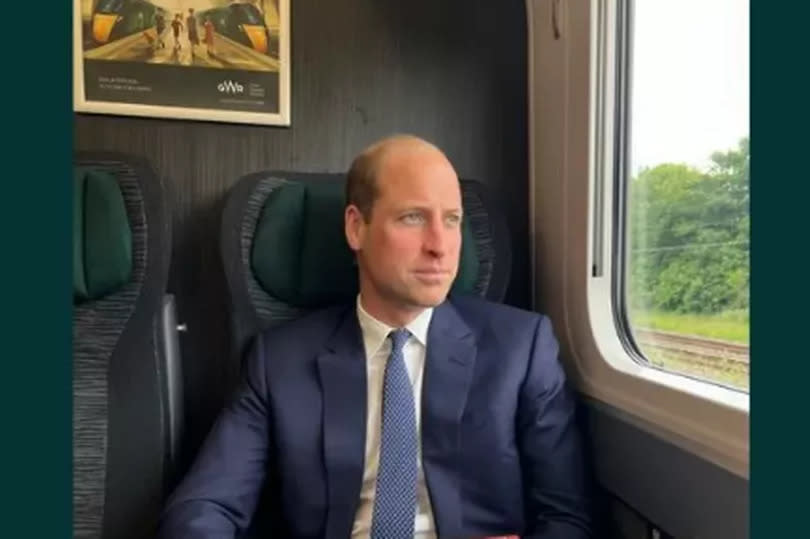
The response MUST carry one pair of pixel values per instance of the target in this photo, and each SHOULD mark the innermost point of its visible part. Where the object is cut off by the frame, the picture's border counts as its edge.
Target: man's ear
(355, 227)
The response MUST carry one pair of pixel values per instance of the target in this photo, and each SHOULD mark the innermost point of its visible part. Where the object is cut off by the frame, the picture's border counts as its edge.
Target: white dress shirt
(378, 348)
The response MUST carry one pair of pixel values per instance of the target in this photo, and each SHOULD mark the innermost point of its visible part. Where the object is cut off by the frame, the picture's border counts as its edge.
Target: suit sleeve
(552, 458)
(218, 496)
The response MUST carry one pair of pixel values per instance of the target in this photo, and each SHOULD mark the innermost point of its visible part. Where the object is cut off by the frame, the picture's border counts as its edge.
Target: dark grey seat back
(125, 390)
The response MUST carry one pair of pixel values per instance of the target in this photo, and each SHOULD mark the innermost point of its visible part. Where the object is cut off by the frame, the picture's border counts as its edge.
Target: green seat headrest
(102, 240)
(300, 255)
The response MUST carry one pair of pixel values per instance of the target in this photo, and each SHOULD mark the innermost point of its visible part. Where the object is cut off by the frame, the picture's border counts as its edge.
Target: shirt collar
(376, 332)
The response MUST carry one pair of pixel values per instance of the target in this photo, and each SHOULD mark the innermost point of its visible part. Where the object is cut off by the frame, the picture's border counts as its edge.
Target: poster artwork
(215, 60)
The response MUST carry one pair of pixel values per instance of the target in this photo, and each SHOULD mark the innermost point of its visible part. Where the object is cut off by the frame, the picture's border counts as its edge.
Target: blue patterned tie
(395, 498)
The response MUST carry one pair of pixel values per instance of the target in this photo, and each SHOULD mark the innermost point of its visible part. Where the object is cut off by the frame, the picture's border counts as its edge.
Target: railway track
(697, 349)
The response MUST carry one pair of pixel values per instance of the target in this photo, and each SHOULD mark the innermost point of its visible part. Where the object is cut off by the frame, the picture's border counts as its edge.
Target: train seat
(127, 393)
(285, 253)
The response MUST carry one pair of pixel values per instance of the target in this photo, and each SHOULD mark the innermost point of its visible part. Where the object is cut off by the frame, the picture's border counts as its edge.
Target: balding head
(403, 222)
(362, 182)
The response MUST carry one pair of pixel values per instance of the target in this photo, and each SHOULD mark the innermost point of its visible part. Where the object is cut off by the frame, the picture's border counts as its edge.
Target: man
(405, 414)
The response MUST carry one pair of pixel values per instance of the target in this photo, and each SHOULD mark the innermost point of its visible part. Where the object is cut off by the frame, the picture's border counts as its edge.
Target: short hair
(361, 180)
(361, 183)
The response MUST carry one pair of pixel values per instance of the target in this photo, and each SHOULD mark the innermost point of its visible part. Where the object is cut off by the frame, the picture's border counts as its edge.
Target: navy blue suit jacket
(500, 449)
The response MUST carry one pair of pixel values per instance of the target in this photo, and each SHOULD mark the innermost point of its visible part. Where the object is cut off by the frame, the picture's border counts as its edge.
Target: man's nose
(436, 236)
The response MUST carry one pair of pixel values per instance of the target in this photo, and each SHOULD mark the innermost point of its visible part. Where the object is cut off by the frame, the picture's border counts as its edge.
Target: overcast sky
(690, 79)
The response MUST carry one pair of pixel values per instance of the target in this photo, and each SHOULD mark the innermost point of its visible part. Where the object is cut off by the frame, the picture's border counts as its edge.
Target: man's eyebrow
(419, 207)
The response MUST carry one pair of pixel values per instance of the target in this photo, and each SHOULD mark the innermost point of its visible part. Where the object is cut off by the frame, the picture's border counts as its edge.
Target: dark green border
(780, 355)
(36, 264)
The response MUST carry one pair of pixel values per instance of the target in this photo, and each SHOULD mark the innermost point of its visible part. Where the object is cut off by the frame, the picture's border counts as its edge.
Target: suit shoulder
(311, 328)
(507, 331)
(476, 309)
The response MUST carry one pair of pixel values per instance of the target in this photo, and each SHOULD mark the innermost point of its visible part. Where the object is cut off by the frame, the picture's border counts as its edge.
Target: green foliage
(689, 236)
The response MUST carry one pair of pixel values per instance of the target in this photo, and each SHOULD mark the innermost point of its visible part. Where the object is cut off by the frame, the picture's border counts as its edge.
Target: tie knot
(398, 339)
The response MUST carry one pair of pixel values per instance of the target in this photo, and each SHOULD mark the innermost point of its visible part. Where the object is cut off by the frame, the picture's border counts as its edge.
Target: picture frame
(206, 60)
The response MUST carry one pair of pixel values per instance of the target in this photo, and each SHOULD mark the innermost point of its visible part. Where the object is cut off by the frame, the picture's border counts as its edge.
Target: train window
(638, 125)
(683, 242)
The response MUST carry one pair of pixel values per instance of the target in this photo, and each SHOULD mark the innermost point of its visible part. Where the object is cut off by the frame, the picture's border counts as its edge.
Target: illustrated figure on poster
(177, 25)
(209, 36)
(191, 25)
(160, 28)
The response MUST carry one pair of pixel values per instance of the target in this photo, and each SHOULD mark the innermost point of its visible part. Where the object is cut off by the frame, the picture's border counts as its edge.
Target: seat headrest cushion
(300, 255)
(102, 239)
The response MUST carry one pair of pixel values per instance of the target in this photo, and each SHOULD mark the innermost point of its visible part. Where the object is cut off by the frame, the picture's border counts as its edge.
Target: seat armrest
(171, 376)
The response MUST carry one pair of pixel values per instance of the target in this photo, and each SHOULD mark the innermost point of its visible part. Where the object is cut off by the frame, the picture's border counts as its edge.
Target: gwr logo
(230, 87)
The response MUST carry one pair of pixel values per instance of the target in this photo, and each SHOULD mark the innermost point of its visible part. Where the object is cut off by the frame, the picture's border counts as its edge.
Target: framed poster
(213, 60)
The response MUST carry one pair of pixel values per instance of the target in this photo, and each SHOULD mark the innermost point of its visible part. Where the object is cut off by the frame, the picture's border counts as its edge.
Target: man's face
(408, 251)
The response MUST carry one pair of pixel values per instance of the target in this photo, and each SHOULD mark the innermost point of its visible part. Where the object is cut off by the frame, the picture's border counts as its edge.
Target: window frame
(573, 122)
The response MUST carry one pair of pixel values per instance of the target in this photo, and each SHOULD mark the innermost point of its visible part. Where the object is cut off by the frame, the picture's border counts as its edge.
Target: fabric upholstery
(102, 239)
(119, 431)
(97, 326)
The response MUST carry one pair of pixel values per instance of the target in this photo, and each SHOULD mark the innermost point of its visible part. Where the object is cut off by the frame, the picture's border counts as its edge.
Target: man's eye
(412, 218)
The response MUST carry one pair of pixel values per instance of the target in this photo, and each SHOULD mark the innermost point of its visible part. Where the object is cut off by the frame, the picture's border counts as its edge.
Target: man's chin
(427, 300)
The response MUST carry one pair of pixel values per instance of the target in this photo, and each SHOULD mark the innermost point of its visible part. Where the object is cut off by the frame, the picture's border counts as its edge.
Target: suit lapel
(449, 366)
(342, 371)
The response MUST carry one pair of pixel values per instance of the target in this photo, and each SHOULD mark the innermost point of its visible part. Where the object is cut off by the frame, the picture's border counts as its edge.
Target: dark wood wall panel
(452, 71)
